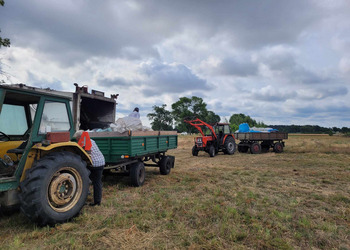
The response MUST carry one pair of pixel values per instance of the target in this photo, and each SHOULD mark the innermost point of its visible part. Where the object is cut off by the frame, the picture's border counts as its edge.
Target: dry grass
(297, 199)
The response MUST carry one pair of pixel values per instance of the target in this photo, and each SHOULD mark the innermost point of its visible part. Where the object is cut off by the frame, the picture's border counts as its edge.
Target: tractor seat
(19, 150)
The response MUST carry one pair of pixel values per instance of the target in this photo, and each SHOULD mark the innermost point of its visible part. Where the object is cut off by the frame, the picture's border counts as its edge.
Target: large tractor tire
(229, 146)
(55, 188)
(137, 174)
(166, 164)
(195, 150)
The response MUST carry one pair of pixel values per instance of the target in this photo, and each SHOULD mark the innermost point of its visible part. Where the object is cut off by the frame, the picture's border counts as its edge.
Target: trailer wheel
(278, 147)
(137, 174)
(195, 151)
(55, 188)
(211, 151)
(165, 165)
(230, 146)
(255, 148)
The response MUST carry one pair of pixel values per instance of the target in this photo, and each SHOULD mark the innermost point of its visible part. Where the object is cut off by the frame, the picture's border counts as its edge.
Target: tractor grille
(199, 142)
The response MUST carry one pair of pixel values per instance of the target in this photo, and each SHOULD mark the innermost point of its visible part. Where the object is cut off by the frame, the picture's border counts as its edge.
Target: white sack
(126, 124)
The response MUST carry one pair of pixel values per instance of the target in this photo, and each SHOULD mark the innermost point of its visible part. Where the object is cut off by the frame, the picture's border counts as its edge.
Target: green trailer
(128, 153)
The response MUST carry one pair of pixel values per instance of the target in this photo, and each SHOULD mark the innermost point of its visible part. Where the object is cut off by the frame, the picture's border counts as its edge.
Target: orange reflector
(126, 156)
(143, 144)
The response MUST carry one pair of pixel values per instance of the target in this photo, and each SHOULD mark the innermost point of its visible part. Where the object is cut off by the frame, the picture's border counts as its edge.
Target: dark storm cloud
(170, 78)
(72, 31)
(249, 23)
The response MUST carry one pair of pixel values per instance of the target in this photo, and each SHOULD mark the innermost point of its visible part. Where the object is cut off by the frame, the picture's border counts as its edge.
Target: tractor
(214, 138)
(42, 171)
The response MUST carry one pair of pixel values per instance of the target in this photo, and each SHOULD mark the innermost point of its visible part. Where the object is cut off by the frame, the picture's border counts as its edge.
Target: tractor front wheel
(195, 150)
(55, 188)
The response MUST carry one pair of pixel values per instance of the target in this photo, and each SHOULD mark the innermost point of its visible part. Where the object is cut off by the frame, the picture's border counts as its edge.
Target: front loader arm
(197, 123)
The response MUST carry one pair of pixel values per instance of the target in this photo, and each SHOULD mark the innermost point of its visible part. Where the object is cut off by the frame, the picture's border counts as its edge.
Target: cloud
(34, 80)
(170, 78)
(322, 93)
(115, 82)
(232, 66)
(262, 58)
(272, 94)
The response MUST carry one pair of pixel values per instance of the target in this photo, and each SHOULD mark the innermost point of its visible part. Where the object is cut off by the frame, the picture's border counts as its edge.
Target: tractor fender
(225, 137)
(38, 151)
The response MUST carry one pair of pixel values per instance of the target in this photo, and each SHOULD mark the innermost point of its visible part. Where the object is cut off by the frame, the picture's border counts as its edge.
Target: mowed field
(295, 200)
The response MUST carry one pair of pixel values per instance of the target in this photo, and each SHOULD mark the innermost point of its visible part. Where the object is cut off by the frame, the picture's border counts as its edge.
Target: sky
(281, 62)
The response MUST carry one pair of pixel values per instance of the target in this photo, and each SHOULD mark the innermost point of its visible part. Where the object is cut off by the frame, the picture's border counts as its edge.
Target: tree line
(195, 107)
(184, 108)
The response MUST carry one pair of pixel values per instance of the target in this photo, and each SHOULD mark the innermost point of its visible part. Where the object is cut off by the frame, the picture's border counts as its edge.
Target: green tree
(188, 108)
(212, 118)
(161, 118)
(237, 119)
(4, 41)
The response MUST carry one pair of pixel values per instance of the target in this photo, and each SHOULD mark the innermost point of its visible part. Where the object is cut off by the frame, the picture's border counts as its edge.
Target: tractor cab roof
(20, 93)
(221, 124)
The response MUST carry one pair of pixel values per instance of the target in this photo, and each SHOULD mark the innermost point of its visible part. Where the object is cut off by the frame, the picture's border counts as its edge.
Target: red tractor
(214, 138)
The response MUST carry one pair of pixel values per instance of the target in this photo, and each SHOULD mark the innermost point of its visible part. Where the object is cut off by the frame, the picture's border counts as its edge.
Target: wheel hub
(62, 189)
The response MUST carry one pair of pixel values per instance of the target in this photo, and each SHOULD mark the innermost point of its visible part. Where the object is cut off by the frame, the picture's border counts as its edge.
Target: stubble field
(295, 200)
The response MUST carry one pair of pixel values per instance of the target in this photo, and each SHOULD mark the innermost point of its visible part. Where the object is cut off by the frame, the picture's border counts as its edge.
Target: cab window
(13, 120)
(55, 118)
(226, 129)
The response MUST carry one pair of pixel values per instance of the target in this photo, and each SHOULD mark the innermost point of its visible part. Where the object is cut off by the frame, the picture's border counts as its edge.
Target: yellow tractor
(41, 170)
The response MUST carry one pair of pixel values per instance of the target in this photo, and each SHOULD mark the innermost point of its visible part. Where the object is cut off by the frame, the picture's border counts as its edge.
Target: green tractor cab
(48, 180)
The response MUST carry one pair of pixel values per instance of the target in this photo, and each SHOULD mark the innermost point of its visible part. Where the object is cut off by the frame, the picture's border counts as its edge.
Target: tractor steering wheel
(3, 135)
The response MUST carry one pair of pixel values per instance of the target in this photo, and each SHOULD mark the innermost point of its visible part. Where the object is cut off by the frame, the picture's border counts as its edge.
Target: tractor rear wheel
(255, 148)
(211, 151)
(278, 147)
(230, 146)
(55, 188)
(195, 151)
(137, 174)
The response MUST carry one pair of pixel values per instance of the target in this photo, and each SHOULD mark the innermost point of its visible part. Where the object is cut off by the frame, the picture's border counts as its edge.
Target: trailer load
(258, 140)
